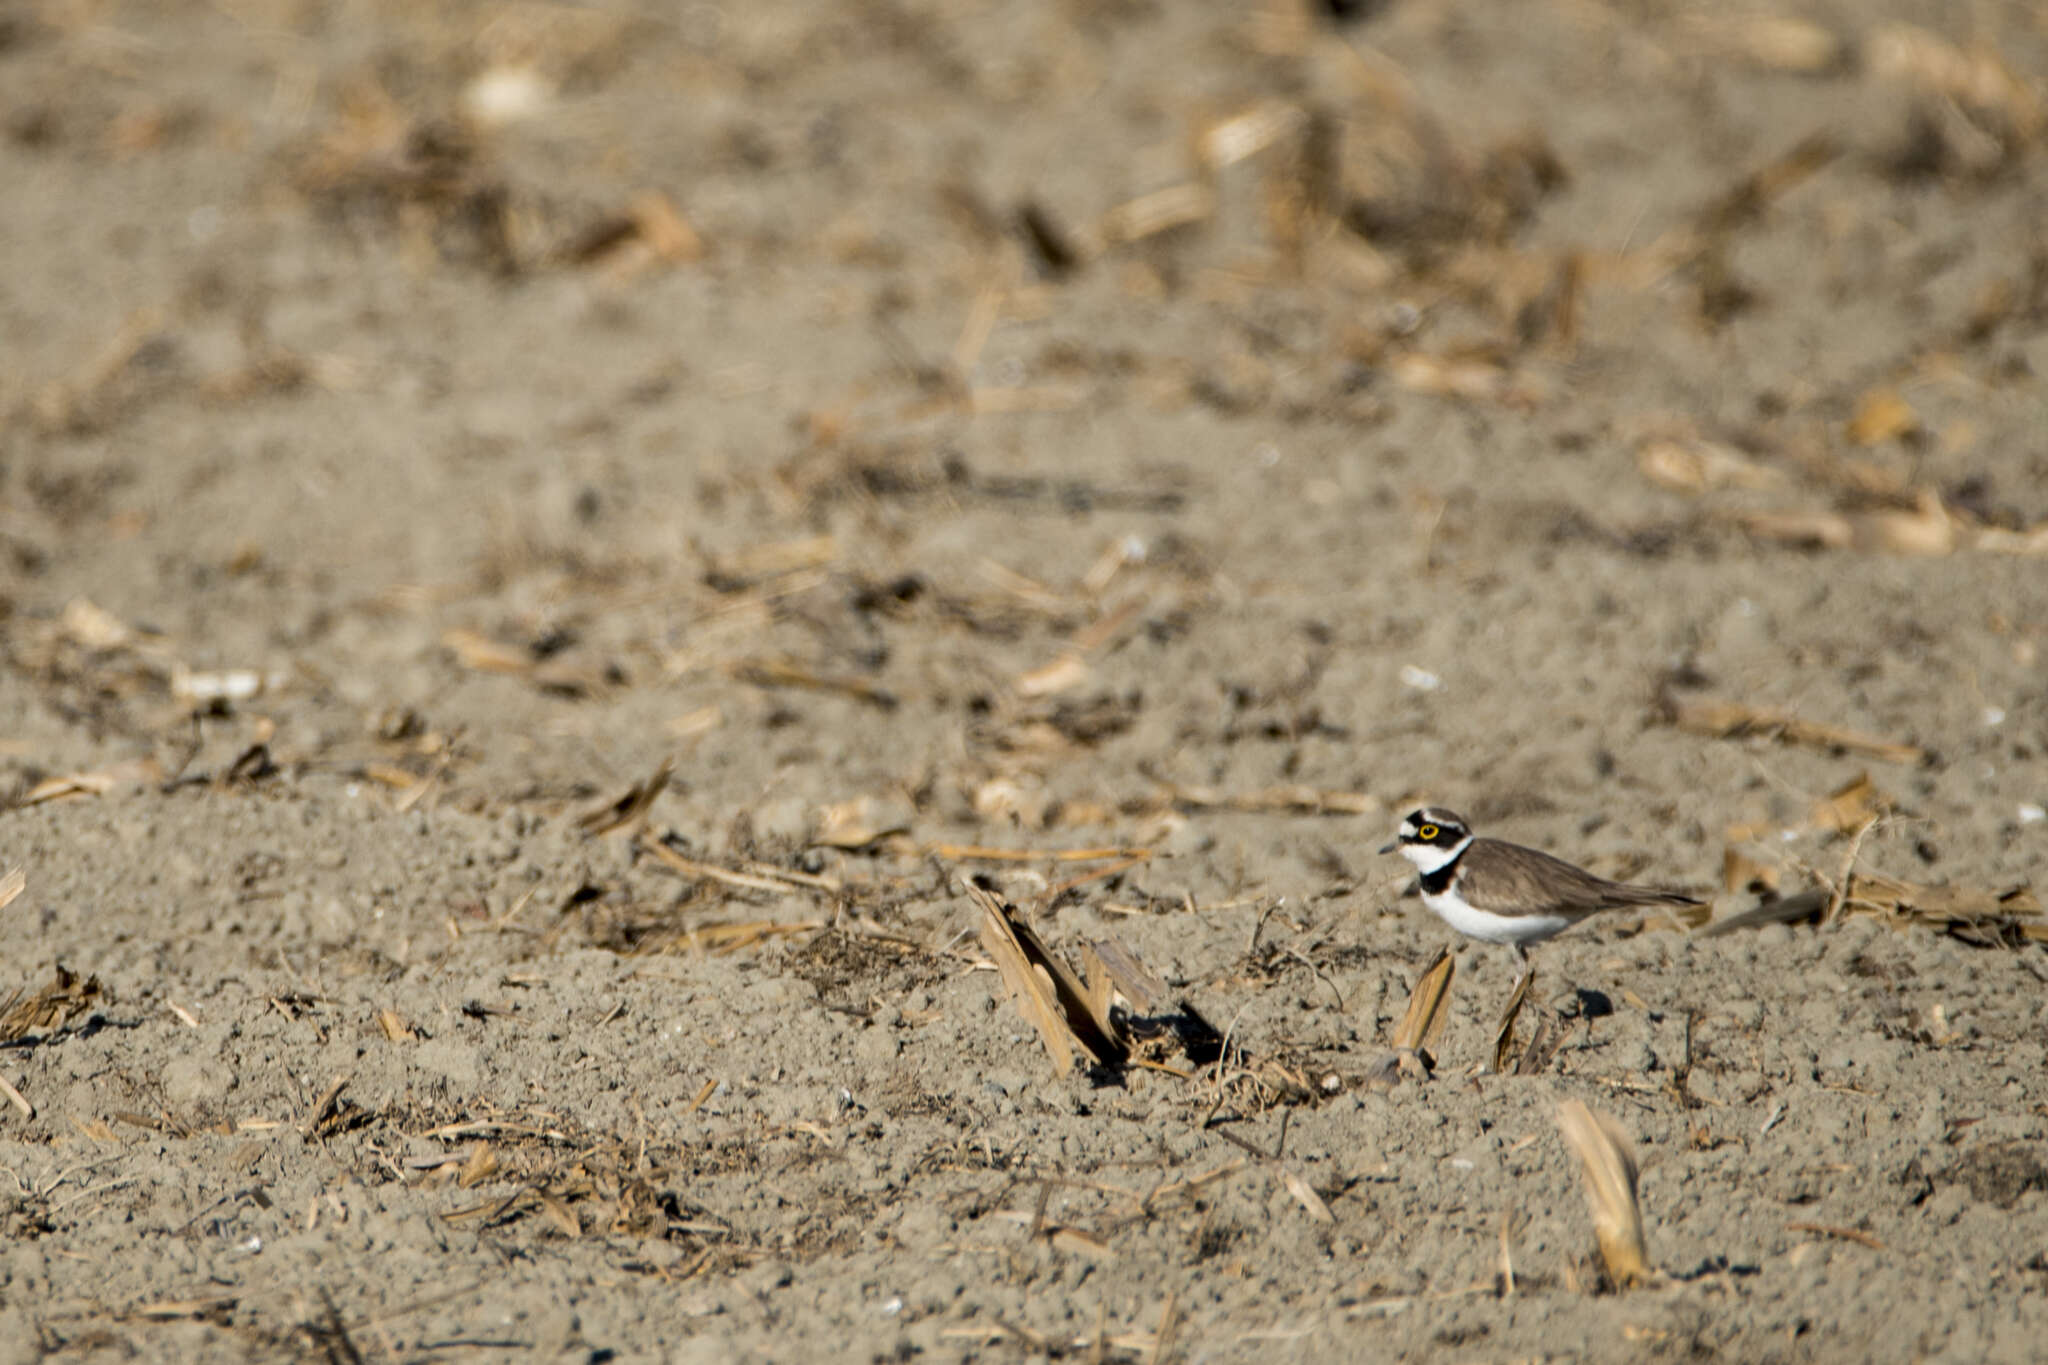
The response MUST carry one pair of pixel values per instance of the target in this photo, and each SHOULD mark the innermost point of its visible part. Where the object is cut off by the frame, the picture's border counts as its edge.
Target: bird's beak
(1391, 847)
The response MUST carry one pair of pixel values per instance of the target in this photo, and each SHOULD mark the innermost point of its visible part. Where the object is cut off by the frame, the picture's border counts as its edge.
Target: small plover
(1498, 892)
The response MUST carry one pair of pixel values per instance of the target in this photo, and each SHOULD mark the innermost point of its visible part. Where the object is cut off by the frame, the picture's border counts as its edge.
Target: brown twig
(1100, 874)
(1846, 1234)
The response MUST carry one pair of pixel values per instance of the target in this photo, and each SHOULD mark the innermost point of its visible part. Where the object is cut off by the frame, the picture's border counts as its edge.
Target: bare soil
(1161, 443)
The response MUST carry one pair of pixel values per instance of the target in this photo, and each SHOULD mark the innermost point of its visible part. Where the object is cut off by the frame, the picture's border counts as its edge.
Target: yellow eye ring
(1427, 832)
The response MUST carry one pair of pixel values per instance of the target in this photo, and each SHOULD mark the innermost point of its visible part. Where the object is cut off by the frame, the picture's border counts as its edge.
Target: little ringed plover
(1498, 892)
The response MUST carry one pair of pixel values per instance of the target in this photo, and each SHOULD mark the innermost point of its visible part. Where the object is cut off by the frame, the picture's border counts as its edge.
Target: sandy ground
(1191, 431)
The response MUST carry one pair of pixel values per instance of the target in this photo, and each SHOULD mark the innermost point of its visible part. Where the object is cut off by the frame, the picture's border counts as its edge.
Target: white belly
(1490, 928)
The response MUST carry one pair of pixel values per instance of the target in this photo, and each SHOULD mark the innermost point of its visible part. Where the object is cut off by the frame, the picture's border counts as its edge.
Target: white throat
(1429, 858)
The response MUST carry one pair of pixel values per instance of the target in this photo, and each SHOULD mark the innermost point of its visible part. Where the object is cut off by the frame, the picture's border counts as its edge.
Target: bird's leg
(1504, 1036)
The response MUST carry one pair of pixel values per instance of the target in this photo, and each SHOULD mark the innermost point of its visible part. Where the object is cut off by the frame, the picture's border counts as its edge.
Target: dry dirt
(933, 427)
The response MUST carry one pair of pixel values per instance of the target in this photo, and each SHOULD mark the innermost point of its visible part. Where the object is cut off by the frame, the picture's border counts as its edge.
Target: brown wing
(1512, 880)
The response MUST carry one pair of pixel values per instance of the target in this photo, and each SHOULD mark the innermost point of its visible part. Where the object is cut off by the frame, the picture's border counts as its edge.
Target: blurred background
(1398, 388)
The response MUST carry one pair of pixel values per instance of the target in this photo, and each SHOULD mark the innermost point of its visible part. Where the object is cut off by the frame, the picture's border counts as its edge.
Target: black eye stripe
(1442, 831)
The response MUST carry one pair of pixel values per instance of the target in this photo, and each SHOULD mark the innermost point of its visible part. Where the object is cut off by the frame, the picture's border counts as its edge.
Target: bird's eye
(1426, 833)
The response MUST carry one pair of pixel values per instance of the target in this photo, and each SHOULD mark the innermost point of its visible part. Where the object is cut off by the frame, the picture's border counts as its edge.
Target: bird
(1498, 892)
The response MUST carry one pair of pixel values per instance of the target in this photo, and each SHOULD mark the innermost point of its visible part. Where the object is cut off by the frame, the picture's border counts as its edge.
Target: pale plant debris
(1420, 1032)
(773, 672)
(1071, 668)
(559, 674)
(1882, 415)
(1841, 812)
(93, 626)
(1923, 526)
(1045, 989)
(1169, 1326)
(1060, 1236)
(1470, 375)
(162, 1122)
(1504, 1032)
(1544, 1041)
(1608, 1164)
(1306, 1196)
(1839, 889)
(1291, 799)
(1063, 674)
(560, 1215)
(1751, 196)
(332, 1114)
(1978, 80)
(390, 775)
(756, 877)
(1976, 913)
(1856, 1235)
(628, 811)
(1227, 141)
(433, 182)
(1802, 530)
(1110, 1015)
(1873, 506)
(700, 721)
(12, 885)
(748, 569)
(65, 999)
(1185, 1189)
(108, 384)
(217, 1309)
(116, 778)
(1081, 879)
(578, 1182)
(982, 316)
(1740, 720)
(969, 853)
(1701, 466)
(1740, 872)
(1775, 42)
(1979, 915)
(1851, 806)
(652, 233)
(502, 1129)
(481, 654)
(862, 822)
(634, 931)
(1116, 966)
(1077, 1242)
(996, 1331)
(721, 939)
(1162, 210)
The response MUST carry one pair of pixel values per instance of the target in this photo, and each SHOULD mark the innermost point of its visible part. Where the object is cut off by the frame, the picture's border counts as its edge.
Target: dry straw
(1609, 1165)
(1422, 1026)
(1070, 1017)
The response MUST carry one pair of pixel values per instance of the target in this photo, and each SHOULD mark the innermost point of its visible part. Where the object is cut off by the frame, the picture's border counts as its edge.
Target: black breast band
(1437, 882)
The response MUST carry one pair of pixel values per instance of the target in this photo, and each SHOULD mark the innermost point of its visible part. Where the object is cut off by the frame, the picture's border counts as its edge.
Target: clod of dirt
(2000, 1173)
